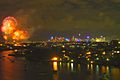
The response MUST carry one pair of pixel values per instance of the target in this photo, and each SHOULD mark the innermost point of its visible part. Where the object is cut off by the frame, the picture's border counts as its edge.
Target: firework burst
(12, 31)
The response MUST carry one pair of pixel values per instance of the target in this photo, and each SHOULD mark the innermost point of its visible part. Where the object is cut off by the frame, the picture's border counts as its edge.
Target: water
(12, 68)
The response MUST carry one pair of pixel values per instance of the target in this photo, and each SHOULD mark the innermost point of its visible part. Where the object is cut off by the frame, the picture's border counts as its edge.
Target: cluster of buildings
(77, 39)
(91, 52)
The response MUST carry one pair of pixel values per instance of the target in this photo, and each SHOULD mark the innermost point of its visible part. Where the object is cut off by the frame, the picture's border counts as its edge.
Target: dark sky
(64, 17)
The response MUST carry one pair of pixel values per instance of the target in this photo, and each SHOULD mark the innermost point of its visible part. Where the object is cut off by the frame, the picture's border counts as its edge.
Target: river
(12, 68)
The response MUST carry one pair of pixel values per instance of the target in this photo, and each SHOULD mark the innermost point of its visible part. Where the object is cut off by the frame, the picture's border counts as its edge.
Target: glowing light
(119, 42)
(103, 53)
(63, 51)
(51, 37)
(91, 62)
(79, 34)
(88, 66)
(54, 59)
(98, 40)
(88, 53)
(63, 46)
(67, 39)
(17, 44)
(15, 50)
(5, 37)
(112, 53)
(77, 40)
(72, 66)
(88, 59)
(91, 67)
(24, 45)
(1, 44)
(55, 68)
(72, 60)
(118, 51)
(115, 51)
(87, 37)
(60, 59)
(96, 54)
(97, 58)
(107, 59)
(97, 68)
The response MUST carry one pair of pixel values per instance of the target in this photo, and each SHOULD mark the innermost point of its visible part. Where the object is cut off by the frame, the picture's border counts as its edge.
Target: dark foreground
(18, 68)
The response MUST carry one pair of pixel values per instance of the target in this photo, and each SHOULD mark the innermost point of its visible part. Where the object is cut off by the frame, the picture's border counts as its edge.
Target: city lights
(88, 53)
(103, 53)
(107, 59)
(77, 39)
(59, 40)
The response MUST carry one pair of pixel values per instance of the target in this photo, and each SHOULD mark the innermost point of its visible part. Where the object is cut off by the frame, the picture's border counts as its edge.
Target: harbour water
(18, 68)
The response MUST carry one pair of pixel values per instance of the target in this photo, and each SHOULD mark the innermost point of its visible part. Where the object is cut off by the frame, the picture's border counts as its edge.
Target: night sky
(43, 18)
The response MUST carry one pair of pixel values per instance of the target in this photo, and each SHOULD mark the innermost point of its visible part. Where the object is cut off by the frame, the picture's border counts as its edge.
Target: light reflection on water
(20, 69)
(9, 69)
(72, 67)
(85, 72)
(55, 68)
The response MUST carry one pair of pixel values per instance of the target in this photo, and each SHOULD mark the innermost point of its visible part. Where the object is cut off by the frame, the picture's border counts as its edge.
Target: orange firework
(20, 35)
(9, 25)
(11, 31)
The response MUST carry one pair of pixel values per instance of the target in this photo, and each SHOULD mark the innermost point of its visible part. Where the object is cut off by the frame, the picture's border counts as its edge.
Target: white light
(72, 66)
(103, 53)
(91, 62)
(107, 59)
(63, 46)
(118, 51)
(97, 58)
(72, 60)
(63, 51)
(119, 42)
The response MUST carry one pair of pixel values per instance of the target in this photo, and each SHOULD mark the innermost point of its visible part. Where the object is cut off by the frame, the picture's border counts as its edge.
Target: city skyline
(67, 17)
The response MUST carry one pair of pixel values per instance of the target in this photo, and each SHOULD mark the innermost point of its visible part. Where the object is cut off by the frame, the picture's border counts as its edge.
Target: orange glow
(55, 68)
(11, 31)
(9, 24)
(88, 53)
(20, 35)
(54, 59)
(5, 37)
(17, 44)
(8, 67)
